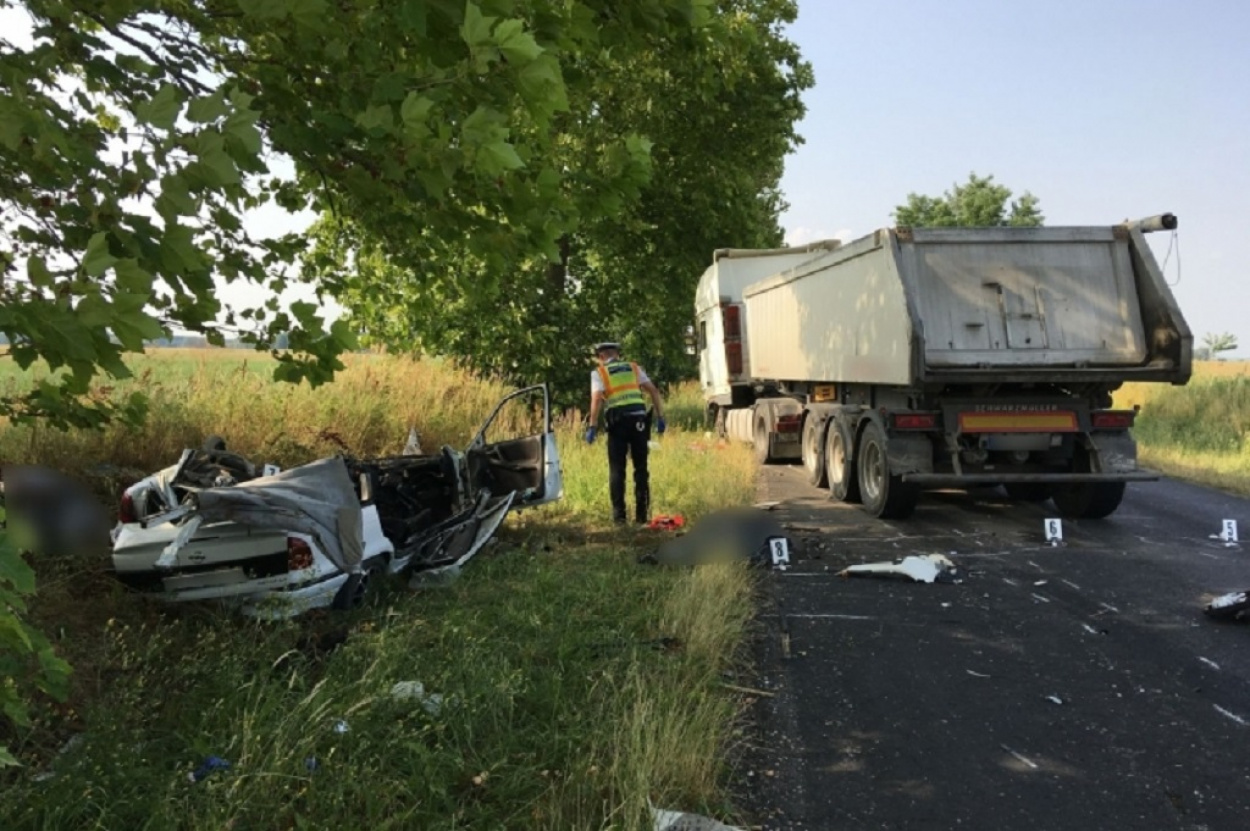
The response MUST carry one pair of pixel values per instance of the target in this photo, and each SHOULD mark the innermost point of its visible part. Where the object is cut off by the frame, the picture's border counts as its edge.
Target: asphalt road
(1070, 687)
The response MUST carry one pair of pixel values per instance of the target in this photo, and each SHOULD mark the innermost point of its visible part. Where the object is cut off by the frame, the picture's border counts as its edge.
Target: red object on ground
(667, 523)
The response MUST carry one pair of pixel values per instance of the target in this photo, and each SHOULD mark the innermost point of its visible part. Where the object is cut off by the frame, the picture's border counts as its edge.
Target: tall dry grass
(195, 393)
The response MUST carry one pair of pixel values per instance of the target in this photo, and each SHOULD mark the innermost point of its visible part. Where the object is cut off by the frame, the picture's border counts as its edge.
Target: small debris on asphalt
(1054, 699)
(1232, 606)
(1020, 757)
(1232, 716)
(976, 674)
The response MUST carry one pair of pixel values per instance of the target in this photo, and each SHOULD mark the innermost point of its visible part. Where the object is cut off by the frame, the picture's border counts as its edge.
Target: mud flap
(909, 454)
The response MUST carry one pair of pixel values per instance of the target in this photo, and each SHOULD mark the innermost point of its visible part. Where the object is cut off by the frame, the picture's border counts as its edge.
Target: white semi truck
(919, 358)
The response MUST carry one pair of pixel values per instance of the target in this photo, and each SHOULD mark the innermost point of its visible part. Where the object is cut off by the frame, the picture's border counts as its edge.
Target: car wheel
(884, 494)
(359, 587)
(814, 451)
(839, 470)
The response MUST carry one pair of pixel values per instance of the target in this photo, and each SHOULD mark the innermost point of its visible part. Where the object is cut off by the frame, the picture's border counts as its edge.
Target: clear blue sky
(1105, 110)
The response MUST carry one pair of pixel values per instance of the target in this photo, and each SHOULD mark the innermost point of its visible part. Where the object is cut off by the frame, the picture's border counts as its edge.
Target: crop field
(1198, 431)
(576, 684)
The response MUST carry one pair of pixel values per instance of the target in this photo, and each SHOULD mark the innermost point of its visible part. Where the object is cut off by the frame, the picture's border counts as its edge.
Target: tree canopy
(670, 146)
(978, 203)
(500, 179)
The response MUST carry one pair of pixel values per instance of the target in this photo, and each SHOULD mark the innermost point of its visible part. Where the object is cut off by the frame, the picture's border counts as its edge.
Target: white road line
(1209, 662)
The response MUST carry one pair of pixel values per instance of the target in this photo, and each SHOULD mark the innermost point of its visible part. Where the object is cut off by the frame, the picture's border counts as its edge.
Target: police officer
(617, 386)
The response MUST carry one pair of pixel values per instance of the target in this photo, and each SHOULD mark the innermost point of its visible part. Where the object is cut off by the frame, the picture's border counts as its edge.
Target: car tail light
(299, 555)
(915, 421)
(126, 511)
(733, 358)
(790, 423)
(732, 315)
(1113, 419)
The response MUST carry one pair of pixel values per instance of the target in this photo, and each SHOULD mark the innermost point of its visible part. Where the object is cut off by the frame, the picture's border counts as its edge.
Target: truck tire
(1087, 500)
(814, 451)
(760, 441)
(884, 495)
(1027, 491)
(839, 470)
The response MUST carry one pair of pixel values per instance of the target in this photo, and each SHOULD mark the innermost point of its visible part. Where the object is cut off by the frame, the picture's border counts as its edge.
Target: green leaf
(97, 258)
(415, 109)
(133, 278)
(179, 251)
(161, 111)
(37, 271)
(6, 758)
(264, 9)
(376, 118)
(207, 108)
(245, 132)
(517, 45)
(476, 28)
(13, 568)
(498, 156)
(308, 13)
(175, 199)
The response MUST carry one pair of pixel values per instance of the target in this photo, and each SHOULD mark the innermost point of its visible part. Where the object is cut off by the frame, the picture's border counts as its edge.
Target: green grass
(578, 683)
(1198, 431)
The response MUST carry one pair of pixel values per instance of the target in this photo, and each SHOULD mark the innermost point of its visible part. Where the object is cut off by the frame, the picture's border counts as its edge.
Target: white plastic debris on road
(678, 821)
(922, 568)
(1233, 605)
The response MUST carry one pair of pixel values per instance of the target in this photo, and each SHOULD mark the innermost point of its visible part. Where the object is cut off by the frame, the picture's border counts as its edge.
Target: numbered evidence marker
(1054, 531)
(1229, 532)
(779, 548)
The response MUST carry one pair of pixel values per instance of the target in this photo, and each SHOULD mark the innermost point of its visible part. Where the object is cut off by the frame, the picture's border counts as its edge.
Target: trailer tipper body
(918, 358)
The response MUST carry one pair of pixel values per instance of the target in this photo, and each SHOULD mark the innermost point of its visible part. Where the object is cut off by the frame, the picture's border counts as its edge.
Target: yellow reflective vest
(620, 385)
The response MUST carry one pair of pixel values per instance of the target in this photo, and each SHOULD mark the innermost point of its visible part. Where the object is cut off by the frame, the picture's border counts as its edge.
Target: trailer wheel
(1087, 500)
(761, 441)
(814, 452)
(839, 470)
(885, 495)
(1027, 491)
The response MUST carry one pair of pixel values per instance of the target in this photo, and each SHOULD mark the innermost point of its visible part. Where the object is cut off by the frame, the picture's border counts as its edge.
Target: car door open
(515, 451)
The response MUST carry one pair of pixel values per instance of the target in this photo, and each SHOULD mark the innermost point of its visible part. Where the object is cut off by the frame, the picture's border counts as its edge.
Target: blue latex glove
(660, 425)
(591, 432)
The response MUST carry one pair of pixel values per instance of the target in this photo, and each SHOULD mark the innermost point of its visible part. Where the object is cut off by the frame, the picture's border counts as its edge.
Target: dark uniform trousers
(629, 430)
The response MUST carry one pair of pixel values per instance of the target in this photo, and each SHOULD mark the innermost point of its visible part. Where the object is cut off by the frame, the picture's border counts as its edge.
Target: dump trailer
(921, 358)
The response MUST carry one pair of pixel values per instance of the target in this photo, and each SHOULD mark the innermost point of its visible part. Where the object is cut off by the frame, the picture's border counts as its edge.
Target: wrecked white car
(317, 535)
